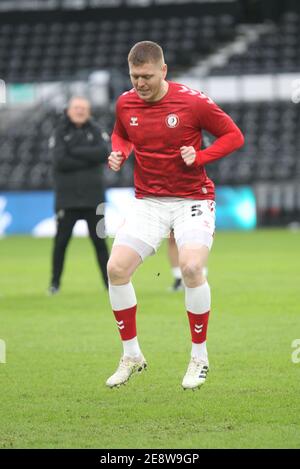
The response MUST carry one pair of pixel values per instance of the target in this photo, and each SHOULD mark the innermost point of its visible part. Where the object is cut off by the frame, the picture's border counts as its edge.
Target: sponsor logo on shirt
(172, 120)
(133, 121)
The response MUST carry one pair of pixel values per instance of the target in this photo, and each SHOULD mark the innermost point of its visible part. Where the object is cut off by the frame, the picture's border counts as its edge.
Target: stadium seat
(274, 50)
(34, 49)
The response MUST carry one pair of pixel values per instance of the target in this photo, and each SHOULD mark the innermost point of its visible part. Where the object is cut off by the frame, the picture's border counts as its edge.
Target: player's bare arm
(115, 160)
(188, 155)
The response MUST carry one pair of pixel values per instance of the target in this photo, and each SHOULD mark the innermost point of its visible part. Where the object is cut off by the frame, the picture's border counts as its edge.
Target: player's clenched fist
(188, 155)
(115, 160)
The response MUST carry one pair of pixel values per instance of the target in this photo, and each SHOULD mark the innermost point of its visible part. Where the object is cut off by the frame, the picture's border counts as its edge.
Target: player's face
(148, 80)
(79, 111)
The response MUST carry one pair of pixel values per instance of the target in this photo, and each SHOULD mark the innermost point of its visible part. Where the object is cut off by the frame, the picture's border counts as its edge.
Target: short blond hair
(145, 52)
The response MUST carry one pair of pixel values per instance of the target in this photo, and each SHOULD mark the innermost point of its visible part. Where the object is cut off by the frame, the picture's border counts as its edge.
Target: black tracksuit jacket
(78, 153)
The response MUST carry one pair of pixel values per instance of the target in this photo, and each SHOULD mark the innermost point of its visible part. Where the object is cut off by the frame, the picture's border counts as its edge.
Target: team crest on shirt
(172, 120)
(134, 121)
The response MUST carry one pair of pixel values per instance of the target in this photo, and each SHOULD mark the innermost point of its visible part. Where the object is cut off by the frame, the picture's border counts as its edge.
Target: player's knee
(116, 271)
(191, 270)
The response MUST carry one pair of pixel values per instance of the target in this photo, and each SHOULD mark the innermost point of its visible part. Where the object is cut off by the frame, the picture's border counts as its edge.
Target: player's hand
(188, 155)
(115, 160)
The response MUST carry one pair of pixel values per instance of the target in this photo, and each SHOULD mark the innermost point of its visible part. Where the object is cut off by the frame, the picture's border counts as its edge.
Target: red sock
(126, 322)
(198, 326)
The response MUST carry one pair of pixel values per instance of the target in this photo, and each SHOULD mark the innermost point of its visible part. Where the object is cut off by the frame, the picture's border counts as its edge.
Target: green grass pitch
(60, 351)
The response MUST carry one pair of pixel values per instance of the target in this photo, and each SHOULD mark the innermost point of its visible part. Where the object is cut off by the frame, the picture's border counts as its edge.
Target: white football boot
(196, 374)
(127, 367)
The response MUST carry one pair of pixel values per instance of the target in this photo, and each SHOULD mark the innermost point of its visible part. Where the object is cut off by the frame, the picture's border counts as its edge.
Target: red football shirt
(156, 131)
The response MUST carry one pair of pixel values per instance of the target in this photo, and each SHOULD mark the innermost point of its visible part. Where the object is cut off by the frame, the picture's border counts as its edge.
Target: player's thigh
(145, 226)
(172, 239)
(194, 230)
(123, 261)
(195, 223)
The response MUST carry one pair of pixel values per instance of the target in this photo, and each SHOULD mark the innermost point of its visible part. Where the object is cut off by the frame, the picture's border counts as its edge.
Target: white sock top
(197, 299)
(131, 348)
(122, 296)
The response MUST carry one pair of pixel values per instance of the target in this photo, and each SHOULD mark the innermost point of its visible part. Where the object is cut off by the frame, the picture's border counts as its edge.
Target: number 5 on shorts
(196, 212)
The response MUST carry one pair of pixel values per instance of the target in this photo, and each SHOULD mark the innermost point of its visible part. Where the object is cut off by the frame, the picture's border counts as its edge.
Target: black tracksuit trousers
(66, 220)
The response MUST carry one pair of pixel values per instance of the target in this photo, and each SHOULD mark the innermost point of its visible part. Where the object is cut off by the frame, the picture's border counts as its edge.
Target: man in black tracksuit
(78, 152)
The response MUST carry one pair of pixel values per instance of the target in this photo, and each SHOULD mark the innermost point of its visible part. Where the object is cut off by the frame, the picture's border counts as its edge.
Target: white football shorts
(151, 219)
